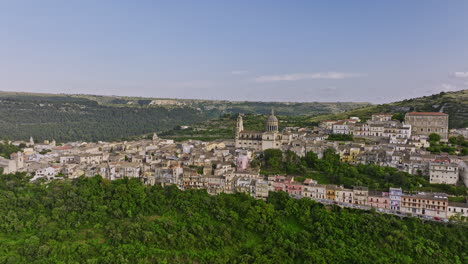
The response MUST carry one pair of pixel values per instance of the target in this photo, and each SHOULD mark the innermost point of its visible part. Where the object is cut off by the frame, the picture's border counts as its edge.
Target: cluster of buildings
(431, 205)
(420, 124)
(215, 166)
(401, 145)
(382, 141)
(223, 166)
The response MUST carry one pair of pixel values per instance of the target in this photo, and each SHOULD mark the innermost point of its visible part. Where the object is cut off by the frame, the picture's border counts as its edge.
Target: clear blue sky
(377, 51)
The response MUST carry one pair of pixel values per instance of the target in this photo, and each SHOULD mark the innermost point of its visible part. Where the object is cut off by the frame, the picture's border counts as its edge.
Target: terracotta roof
(427, 113)
(384, 114)
(307, 181)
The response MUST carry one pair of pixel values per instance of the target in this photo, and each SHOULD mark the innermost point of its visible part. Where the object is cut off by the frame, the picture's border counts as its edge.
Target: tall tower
(155, 137)
(272, 122)
(240, 125)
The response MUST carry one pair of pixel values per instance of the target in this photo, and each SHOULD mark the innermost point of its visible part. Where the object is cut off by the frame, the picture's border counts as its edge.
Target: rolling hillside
(92, 118)
(453, 103)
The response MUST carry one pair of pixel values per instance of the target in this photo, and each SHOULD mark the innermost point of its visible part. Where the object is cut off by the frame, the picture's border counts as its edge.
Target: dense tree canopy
(70, 119)
(433, 137)
(455, 145)
(6, 149)
(91, 220)
(341, 137)
(399, 116)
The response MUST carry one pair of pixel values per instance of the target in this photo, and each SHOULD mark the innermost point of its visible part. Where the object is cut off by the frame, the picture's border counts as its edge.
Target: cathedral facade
(271, 138)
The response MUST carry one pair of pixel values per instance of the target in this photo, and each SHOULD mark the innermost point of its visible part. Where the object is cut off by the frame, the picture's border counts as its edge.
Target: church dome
(272, 118)
(272, 123)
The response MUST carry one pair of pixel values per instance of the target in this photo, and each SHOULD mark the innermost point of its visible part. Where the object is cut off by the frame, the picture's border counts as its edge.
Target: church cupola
(272, 123)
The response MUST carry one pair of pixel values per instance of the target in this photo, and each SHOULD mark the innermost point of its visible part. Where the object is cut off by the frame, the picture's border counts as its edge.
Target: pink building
(294, 188)
(277, 183)
(378, 199)
(242, 162)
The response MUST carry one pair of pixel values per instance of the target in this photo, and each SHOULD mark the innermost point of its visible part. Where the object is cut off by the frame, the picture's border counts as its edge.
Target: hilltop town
(224, 166)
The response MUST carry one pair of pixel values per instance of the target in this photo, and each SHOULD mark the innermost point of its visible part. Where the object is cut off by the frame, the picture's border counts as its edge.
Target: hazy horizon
(268, 51)
(201, 99)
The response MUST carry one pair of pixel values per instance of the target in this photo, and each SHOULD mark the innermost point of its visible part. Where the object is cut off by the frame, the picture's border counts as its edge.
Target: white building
(316, 191)
(343, 127)
(49, 173)
(260, 189)
(8, 165)
(443, 173)
(457, 209)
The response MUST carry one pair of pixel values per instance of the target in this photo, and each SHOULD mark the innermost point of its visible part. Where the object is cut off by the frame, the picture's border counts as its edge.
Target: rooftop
(456, 204)
(427, 113)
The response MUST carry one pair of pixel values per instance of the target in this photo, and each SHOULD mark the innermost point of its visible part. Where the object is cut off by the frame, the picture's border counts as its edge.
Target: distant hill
(224, 106)
(453, 103)
(91, 117)
(224, 126)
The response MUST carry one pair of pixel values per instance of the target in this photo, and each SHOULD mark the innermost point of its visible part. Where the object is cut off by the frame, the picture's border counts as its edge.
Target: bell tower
(240, 125)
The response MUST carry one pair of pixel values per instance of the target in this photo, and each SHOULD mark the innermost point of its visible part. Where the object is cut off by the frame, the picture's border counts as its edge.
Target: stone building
(429, 204)
(426, 123)
(443, 173)
(271, 138)
(457, 209)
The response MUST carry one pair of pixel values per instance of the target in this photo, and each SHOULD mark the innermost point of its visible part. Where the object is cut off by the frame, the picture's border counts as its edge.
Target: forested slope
(65, 118)
(91, 118)
(91, 220)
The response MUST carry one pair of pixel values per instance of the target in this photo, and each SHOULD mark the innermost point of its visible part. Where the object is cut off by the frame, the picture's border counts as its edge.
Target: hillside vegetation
(330, 170)
(65, 118)
(453, 103)
(93, 118)
(92, 220)
(224, 126)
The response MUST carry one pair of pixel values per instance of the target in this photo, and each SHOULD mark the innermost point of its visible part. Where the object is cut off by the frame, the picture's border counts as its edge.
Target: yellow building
(349, 154)
(331, 192)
